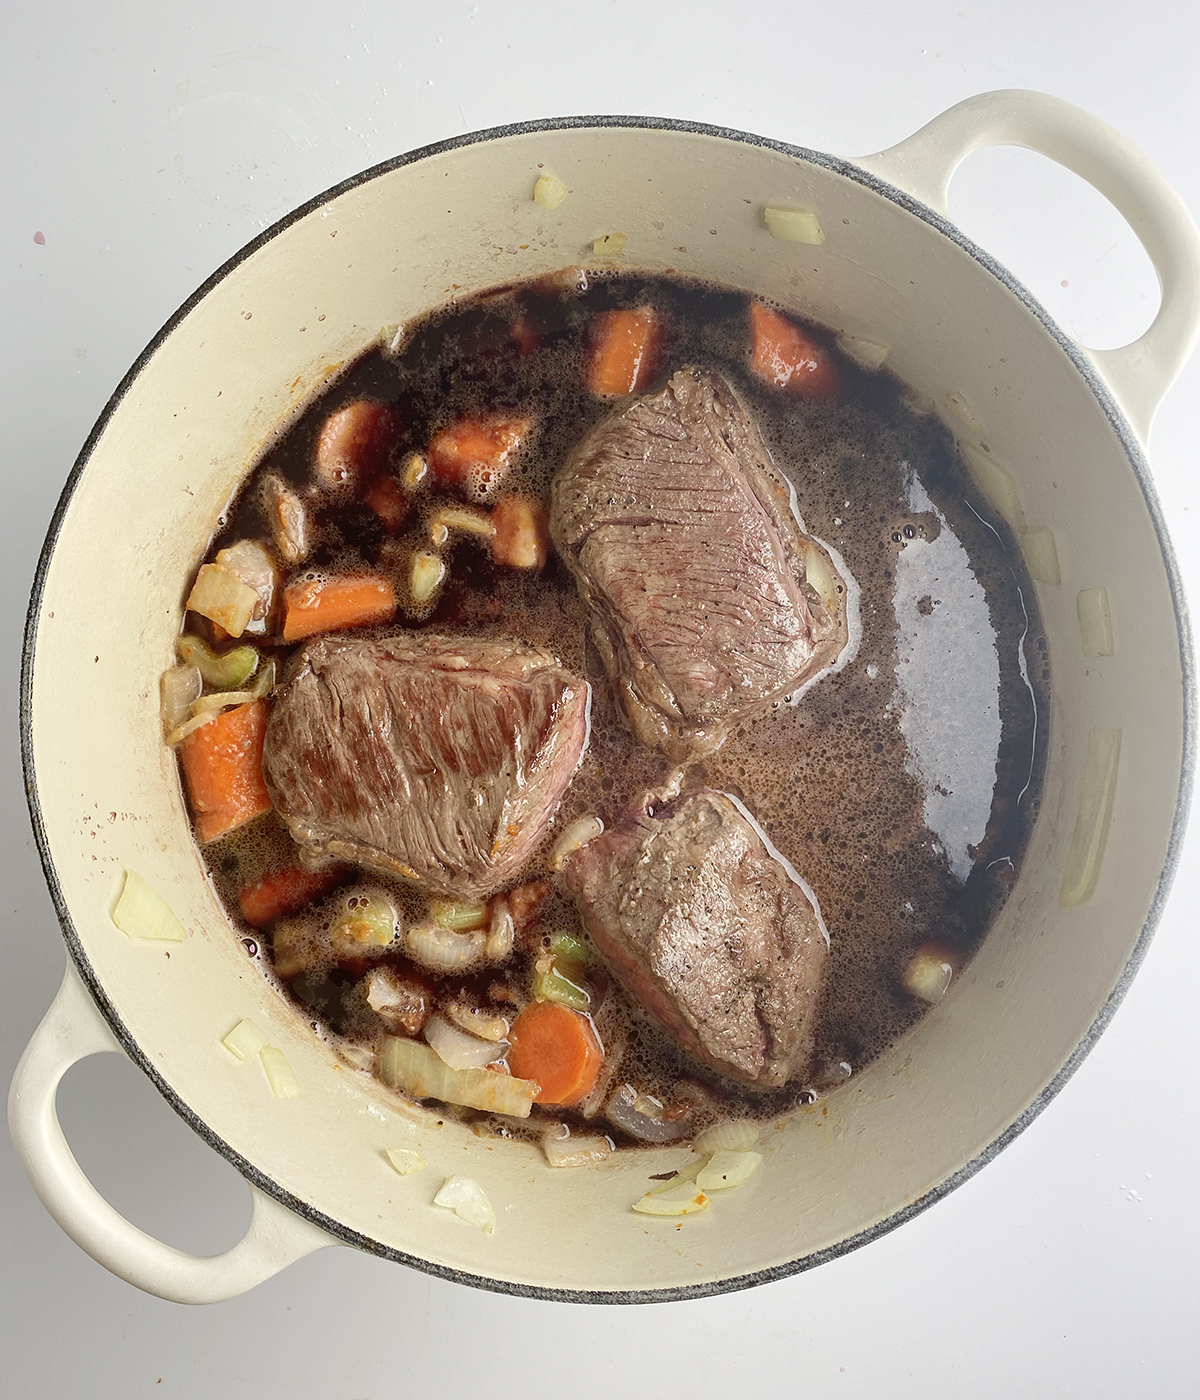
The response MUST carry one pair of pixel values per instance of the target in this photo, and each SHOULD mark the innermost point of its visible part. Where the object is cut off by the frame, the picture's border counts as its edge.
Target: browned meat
(707, 601)
(709, 931)
(441, 759)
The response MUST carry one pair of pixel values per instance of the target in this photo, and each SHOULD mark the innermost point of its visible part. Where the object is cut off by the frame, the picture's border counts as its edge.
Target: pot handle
(1140, 373)
(72, 1030)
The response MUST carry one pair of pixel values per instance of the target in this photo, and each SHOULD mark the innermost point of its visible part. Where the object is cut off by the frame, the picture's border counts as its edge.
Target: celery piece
(459, 917)
(570, 948)
(368, 921)
(552, 985)
(225, 670)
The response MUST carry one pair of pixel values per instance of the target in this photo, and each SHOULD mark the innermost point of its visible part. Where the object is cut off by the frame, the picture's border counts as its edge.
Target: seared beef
(678, 530)
(441, 759)
(709, 931)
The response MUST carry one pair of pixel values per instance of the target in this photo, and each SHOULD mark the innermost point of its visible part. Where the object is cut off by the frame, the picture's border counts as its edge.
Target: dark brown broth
(944, 705)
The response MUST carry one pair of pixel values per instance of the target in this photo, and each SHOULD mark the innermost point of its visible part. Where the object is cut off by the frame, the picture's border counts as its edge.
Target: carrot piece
(623, 350)
(388, 501)
(520, 533)
(784, 354)
(222, 764)
(559, 1049)
(331, 605)
(284, 892)
(354, 443)
(474, 454)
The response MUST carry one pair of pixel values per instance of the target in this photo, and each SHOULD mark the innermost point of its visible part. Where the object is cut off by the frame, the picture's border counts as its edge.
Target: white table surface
(145, 143)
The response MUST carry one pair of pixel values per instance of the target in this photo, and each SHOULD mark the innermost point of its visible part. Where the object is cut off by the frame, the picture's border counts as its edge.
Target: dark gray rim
(1141, 470)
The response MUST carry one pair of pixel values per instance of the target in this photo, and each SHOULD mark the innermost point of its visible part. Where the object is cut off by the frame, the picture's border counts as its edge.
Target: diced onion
(427, 573)
(958, 407)
(637, 1115)
(415, 1069)
(574, 836)
(680, 1197)
(485, 1024)
(1041, 554)
(223, 598)
(189, 726)
(927, 974)
(734, 1135)
(795, 225)
(549, 191)
(466, 518)
(1095, 622)
(867, 354)
(448, 914)
(460, 1049)
(280, 1075)
(1094, 818)
(180, 686)
(725, 1168)
(610, 245)
(413, 470)
(221, 700)
(250, 562)
(819, 575)
(405, 1160)
(443, 949)
(501, 933)
(245, 1040)
(467, 1200)
(288, 520)
(996, 482)
(574, 1150)
(143, 914)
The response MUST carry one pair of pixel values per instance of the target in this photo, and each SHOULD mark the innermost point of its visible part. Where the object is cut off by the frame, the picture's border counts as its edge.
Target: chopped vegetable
(141, 913)
(288, 520)
(466, 518)
(245, 1040)
(223, 598)
(475, 1019)
(466, 1199)
(413, 470)
(189, 726)
(449, 914)
(405, 1160)
(549, 191)
(354, 444)
(179, 687)
(444, 950)
(996, 482)
(520, 533)
(819, 575)
(566, 1149)
(417, 1070)
(221, 700)
(610, 245)
(460, 1049)
(367, 922)
(559, 1049)
(727, 1168)
(428, 571)
(388, 502)
(734, 1135)
(623, 350)
(552, 984)
(283, 892)
(795, 225)
(332, 605)
(250, 562)
(222, 765)
(642, 1117)
(402, 1001)
(280, 1075)
(475, 454)
(574, 835)
(526, 899)
(867, 354)
(679, 1197)
(570, 948)
(786, 355)
(225, 670)
(929, 971)
(1095, 621)
(1041, 554)
(501, 932)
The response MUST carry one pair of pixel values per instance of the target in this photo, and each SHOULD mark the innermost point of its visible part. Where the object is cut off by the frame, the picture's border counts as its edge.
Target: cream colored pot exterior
(255, 346)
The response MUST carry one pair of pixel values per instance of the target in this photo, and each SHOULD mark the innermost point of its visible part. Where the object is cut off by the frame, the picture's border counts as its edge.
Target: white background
(146, 142)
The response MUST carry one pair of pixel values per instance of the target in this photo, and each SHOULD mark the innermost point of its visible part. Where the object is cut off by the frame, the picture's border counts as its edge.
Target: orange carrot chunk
(624, 348)
(355, 442)
(285, 891)
(559, 1049)
(332, 605)
(475, 454)
(784, 354)
(389, 502)
(222, 765)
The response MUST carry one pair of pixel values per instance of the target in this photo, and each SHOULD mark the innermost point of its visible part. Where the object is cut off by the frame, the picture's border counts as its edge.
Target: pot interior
(240, 360)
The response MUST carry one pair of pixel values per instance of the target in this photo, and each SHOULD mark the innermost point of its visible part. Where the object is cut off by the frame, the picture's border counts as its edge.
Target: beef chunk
(707, 600)
(709, 931)
(441, 759)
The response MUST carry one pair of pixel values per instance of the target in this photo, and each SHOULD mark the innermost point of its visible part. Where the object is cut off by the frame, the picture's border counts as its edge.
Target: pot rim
(1136, 456)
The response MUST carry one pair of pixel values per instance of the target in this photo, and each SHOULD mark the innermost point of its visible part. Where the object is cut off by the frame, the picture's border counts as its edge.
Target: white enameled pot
(1056, 435)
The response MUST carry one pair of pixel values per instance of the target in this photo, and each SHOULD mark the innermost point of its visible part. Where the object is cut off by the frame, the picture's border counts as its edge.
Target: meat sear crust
(709, 931)
(678, 531)
(440, 759)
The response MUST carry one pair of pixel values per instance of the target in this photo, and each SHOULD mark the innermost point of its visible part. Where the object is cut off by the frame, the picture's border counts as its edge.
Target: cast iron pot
(1055, 434)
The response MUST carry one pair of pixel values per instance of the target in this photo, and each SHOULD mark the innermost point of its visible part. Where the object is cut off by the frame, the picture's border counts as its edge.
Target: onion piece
(189, 726)
(564, 1149)
(574, 836)
(222, 598)
(794, 225)
(501, 934)
(724, 1169)
(609, 245)
(179, 687)
(443, 949)
(245, 1040)
(928, 973)
(467, 1200)
(222, 700)
(549, 191)
(415, 1069)
(141, 913)
(280, 1075)
(250, 562)
(734, 1135)
(459, 917)
(460, 1049)
(428, 571)
(635, 1114)
(288, 520)
(679, 1197)
(867, 354)
(413, 470)
(405, 1160)
(485, 1024)
(469, 519)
